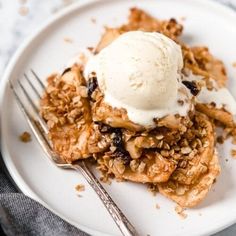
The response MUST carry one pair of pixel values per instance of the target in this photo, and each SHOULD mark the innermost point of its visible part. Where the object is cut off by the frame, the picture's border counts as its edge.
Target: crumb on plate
(182, 18)
(220, 139)
(23, 11)
(91, 49)
(79, 187)
(93, 20)
(152, 188)
(25, 137)
(180, 211)
(68, 40)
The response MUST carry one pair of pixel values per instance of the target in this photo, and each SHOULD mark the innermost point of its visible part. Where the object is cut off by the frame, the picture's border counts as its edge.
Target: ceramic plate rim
(18, 181)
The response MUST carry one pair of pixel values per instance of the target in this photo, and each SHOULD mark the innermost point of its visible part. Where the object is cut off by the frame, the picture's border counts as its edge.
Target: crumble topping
(176, 158)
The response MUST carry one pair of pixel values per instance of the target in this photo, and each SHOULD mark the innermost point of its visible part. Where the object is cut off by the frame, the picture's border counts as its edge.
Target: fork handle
(126, 228)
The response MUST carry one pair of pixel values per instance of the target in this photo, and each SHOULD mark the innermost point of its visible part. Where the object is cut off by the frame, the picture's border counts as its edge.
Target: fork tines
(36, 123)
(24, 89)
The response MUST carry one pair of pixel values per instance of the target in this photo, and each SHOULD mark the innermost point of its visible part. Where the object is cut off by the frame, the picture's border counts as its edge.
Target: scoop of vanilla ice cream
(139, 71)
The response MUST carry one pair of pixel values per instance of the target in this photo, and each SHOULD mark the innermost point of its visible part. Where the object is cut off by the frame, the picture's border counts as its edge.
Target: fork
(40, 130)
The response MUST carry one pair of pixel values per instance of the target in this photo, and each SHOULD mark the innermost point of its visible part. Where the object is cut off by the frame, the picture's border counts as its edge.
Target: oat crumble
(177, 158)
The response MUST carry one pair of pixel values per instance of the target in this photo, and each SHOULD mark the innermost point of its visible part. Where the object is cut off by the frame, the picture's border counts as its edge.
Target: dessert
(144, 107)
(147, 83)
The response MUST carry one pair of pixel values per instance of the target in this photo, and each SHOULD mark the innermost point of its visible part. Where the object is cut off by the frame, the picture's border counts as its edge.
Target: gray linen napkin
(22, 216)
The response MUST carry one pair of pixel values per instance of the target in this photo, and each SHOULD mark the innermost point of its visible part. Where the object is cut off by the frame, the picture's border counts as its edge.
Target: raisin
(120, 152)
(92, 85)
(117, 140)
(122, 155)
(191, 85)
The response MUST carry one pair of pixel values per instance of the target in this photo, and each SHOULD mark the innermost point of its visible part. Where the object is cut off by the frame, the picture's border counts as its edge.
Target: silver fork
(40, 131)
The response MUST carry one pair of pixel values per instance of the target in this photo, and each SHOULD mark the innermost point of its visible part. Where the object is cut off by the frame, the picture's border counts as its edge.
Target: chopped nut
(113, 148)
(102, 144)
(119, 165)
(180, 191)
(134, 165)
(141, 167)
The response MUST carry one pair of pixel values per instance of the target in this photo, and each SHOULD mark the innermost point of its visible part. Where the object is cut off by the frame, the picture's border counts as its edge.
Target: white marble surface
(18, 18)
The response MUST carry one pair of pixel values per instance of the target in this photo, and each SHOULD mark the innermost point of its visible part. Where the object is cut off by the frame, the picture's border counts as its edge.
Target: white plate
(207, 23)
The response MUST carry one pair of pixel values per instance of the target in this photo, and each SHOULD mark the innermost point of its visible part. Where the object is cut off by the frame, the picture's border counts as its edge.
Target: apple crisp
(177, 156)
